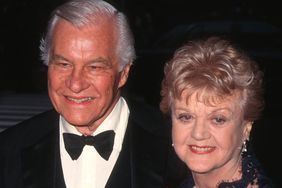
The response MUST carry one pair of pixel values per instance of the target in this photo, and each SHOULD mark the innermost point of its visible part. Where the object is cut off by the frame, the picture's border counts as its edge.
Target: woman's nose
(200, 130)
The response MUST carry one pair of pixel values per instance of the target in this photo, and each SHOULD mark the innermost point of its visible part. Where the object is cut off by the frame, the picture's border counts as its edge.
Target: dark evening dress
(252, 174)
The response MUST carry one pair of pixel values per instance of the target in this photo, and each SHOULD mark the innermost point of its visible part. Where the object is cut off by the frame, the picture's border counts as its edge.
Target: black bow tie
(102, 142)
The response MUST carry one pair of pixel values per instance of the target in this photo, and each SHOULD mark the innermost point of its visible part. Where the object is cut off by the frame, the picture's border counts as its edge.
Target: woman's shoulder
(253, 175)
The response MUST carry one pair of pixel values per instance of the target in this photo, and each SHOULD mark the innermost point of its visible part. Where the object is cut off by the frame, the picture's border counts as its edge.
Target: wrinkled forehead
(210, 97)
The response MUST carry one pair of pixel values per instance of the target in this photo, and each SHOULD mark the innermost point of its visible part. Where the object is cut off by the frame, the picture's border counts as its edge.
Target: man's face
(83, 76)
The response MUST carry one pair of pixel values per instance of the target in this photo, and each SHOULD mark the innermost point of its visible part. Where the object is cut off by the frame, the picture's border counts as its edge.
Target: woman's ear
(247, 130)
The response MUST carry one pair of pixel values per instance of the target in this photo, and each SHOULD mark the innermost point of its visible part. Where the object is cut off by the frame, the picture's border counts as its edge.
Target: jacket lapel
(121, 175)
(41, 162)
(38, 164)
(141, 162)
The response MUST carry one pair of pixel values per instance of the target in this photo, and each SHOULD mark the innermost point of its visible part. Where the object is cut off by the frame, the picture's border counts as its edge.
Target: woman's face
(208, 138)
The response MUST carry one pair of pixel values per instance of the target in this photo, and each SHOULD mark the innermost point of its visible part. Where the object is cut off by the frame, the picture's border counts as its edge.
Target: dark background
(23, 22)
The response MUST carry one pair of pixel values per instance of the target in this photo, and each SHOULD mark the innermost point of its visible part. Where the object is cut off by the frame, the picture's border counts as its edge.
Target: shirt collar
(116, 121)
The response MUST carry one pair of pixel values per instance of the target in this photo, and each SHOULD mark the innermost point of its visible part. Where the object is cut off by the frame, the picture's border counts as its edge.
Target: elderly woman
(213, 93)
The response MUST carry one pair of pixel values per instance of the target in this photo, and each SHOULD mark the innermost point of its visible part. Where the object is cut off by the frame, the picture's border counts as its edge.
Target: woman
(213, 93)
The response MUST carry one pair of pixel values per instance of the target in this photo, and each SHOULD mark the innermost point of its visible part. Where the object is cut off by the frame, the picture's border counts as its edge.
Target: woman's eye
(184, 117)
(219, 120)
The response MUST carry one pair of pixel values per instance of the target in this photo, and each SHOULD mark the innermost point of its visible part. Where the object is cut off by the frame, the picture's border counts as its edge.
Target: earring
(172, 144)
(244, 147)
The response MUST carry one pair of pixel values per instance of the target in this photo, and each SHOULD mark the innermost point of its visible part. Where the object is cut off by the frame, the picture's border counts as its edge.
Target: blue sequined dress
(252, 174)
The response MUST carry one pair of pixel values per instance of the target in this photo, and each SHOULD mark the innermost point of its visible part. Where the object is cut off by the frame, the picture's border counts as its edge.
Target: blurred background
(160, 27)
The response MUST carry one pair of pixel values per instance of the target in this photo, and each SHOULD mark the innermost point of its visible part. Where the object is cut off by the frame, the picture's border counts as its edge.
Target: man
(89, 50)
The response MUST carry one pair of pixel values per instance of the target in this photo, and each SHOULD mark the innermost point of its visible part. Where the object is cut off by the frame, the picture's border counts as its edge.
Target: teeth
(201, 149)
(80, 100)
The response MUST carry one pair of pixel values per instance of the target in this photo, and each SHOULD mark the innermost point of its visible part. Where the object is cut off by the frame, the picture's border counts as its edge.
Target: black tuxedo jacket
(29, 154)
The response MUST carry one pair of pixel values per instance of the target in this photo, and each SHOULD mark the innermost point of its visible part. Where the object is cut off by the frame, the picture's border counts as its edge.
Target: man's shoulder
(27, 129)
(32, 122)
(147, 117)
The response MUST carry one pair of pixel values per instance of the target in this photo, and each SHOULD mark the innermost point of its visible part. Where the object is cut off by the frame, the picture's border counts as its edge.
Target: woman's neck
(213, 178)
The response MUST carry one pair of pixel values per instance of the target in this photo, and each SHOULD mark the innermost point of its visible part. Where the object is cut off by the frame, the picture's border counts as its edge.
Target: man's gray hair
(83, 12)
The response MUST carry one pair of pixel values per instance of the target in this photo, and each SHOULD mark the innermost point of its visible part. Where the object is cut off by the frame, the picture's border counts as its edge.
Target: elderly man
(95, 137)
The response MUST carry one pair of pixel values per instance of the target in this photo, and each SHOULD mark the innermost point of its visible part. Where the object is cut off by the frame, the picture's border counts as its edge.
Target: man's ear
(124, 75)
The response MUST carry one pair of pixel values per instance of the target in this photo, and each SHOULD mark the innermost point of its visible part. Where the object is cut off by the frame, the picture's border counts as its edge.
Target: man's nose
(77, 81)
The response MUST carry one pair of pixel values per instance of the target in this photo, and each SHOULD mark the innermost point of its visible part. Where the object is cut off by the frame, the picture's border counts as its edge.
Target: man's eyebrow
(59, 57)
(100, 60)
(96, 60)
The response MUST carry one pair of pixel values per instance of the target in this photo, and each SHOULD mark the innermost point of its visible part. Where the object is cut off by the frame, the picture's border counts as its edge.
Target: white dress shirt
(90, 170)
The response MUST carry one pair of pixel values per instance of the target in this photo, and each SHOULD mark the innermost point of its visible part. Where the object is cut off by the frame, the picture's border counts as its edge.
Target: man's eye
(95, 67)
(62, 64)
